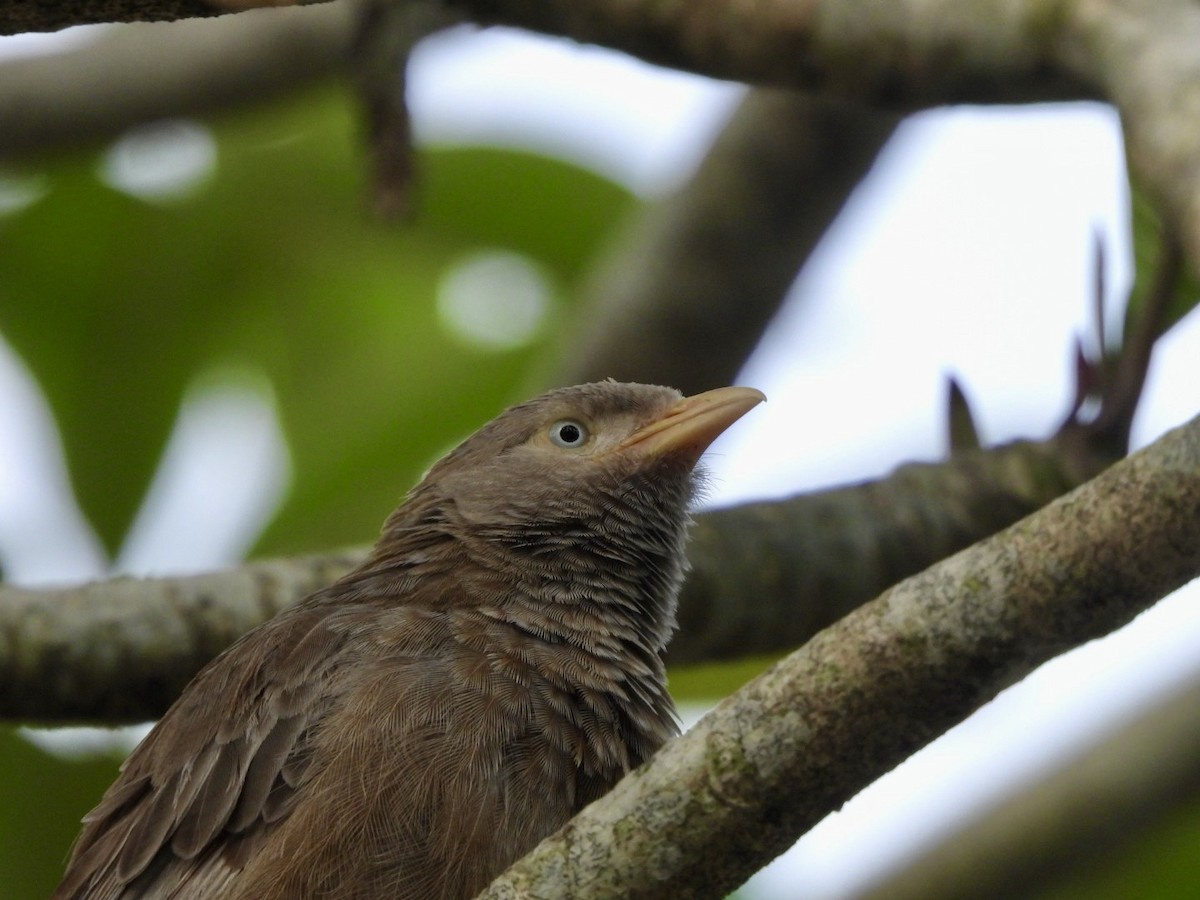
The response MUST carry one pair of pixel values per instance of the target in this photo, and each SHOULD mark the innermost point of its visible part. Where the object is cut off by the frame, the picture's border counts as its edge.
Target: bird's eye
(568, 434)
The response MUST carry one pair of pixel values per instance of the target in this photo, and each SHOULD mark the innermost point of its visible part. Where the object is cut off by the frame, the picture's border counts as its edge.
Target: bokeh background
(210, 350)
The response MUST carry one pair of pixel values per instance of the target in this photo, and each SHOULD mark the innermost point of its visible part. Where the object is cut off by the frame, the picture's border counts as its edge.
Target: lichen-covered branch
(793, 745)
(122, 650)
(689, 286)
(767, 576)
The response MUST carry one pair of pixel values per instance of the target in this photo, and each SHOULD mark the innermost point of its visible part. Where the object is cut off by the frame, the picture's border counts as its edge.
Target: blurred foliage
(1149, 245)
(42, 799)
(709, 682)
(272, 265)
(1160, 861)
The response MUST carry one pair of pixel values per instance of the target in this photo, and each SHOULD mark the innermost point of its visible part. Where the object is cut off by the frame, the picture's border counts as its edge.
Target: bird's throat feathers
(611, 550)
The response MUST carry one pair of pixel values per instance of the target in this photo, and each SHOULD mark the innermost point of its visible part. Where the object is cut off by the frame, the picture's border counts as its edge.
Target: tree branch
(385, 38)
(811, 559)
(122, 650)
(1143, 55)
(793, 745)
(686, 291)
(902, 55)
(17, 16)
(142, 72)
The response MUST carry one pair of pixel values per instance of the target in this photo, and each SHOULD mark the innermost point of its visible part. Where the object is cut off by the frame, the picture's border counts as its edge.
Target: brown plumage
(410, 731)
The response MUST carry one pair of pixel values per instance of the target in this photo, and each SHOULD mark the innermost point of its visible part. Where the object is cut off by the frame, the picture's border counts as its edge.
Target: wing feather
(203, 819)
(264, 771)
(204, 777)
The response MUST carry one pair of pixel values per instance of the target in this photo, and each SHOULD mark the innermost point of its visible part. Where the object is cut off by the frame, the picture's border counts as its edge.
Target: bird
(494, 665)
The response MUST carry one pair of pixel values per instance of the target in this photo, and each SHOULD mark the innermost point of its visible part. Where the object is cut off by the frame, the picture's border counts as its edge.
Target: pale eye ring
(568, 434)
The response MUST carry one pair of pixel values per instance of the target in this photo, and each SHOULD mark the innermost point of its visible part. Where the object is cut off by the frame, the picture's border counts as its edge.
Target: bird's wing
(207, 785)
(429, 775)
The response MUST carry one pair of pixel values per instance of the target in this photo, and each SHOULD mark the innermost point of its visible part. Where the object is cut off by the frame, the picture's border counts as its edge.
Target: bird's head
(561, 457)
(583, 488)
(570, 503)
